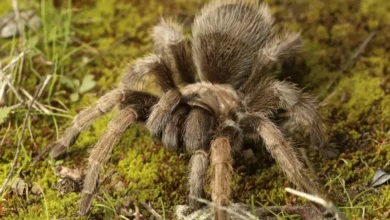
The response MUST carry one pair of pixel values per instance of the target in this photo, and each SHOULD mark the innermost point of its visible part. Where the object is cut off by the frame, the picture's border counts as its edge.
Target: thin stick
(45, 82)
(40, 155)
(151, 210)
(42, 107)
(2, 74)
(137, 214)
(327, 204)
(11, 172)
(13, 61)
(37, 106)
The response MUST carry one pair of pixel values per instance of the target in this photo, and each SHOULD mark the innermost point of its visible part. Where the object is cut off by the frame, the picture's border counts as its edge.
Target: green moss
(151, 171)
(356, 108)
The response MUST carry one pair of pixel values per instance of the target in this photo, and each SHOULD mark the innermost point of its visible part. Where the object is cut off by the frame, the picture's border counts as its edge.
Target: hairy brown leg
(196, 138)
(300, 110)
(197, 177)
(101, 152)
(84, 119)
(162, 112)
(221, 174)
(285, 155)
(228, 139)
(136, 73)
(169, 39)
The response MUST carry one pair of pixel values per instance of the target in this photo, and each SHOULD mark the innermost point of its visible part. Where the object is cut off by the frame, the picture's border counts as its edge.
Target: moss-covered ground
(98, 38)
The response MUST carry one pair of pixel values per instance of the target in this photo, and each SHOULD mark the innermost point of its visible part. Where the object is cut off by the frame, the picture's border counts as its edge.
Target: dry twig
(326, 204)
(9, 83)
(151, 210)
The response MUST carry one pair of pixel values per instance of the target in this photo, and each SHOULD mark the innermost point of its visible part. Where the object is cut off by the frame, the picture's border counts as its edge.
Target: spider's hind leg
(169, 39)
(301, 111)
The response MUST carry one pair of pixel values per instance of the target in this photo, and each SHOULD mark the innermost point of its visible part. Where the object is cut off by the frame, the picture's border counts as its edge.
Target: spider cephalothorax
(214, 94)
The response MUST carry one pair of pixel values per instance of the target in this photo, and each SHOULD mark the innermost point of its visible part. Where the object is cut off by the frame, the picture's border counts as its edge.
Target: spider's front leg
(84, 119)
(282, 151)
(196, 138)
(135, 107)
(107, 102)
(227, 140)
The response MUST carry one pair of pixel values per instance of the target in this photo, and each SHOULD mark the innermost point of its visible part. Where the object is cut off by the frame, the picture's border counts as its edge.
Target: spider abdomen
(226, 37)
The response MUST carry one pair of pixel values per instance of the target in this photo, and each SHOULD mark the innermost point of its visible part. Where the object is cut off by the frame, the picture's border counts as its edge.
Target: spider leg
(168, 38)
(149, 64)
(300, 109)
(162, 112)
(286, 157)
(136, 109)
(197, 133)
(84, 119)
(222, 146)
(100, 154)
(172, 134)
(282, 151)
(277, 48)
(197, 178)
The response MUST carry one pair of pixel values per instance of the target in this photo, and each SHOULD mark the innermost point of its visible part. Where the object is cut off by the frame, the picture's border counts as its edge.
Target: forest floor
(81, 49)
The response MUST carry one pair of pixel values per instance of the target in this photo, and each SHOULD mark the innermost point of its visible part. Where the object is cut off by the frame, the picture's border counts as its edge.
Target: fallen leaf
(74, 97)
(380, 178)
(87, 84)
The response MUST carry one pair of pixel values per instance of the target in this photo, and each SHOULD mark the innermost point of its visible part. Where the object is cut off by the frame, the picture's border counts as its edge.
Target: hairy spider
(215, 93)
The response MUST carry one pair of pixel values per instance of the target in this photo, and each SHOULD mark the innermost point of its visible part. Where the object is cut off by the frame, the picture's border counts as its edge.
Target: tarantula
(215, 93)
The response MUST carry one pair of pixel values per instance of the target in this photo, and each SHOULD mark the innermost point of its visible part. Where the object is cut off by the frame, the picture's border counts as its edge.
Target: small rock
(73, 174)
(119, 185)
(9, 27)
(19, 186)
(126, 202)
(248, 154)
(36, 189)
(127, 212)
(67, 185)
